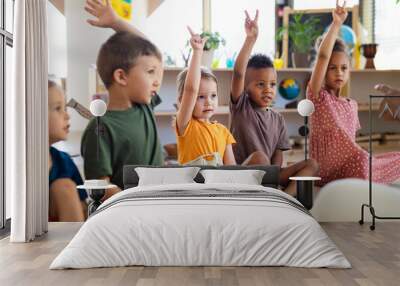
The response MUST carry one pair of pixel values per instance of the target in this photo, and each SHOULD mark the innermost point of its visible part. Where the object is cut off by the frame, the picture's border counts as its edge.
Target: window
(166, 26)
(175, 15)
(322, 4)
(387, 34)
(230, 24)
(6, 43)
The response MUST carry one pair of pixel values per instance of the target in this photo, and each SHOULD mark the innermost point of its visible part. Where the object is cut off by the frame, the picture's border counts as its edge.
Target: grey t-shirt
(256, 130)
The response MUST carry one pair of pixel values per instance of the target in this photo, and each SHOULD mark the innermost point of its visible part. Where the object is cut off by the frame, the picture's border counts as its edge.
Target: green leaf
(214, 40)
(301, 33)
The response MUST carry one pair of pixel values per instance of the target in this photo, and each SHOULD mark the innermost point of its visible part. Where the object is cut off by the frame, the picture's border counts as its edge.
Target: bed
(201, 224)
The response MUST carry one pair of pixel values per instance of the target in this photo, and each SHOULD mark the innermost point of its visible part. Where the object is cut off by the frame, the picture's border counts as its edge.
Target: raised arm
(339, 15)
(192, 83)
(239, 71)
(387, 89)
(107, 18)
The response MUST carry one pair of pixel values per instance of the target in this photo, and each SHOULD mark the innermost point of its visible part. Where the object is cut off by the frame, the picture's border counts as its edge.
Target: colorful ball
(289, 88)
(348, 36)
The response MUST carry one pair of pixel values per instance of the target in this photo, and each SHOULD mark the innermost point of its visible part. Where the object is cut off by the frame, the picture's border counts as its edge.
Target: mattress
(201, 225)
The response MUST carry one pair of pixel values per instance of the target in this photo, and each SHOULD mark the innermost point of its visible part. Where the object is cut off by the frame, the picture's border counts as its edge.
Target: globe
(289, 88)
(347, 35)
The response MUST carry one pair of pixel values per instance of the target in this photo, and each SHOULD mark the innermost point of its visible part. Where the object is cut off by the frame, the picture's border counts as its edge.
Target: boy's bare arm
(192, 83)
(277, 158)
(339, 15)
(107, 18)
(239, 71)
(229, 157)
(109, 192)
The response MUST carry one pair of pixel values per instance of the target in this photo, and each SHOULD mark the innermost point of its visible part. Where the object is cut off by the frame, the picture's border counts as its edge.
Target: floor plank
(374, 255)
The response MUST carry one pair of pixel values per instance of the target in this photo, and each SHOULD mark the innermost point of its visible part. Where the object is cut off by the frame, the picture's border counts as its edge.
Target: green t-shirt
(128, 137)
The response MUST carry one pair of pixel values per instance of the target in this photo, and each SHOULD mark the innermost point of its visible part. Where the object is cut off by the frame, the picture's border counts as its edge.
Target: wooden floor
(374, 255)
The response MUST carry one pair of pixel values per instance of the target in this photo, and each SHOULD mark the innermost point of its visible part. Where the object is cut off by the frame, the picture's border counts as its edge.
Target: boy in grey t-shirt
(254, 125)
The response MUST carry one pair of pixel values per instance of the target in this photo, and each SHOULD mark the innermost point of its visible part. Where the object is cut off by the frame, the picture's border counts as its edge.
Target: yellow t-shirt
(202, 138)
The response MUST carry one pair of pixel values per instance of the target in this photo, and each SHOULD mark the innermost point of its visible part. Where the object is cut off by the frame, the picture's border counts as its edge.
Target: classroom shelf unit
(360, 85)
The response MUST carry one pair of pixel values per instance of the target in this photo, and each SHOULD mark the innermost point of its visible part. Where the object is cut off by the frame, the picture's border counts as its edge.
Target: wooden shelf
(309, 70)
(374, 71)
(365, 107)
(222, 110)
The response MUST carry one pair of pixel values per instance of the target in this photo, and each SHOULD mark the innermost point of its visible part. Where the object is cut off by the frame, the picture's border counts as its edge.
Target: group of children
(131, 69)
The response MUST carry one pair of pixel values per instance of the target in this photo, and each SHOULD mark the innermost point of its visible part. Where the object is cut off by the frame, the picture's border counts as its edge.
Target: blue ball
(289, 89)
(347, 35)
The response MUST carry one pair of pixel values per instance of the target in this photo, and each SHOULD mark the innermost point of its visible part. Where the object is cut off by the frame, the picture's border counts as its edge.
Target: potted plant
(213, 43)
(302, 35)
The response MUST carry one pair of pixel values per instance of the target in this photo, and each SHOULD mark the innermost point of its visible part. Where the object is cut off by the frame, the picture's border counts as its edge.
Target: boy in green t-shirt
(131, 69)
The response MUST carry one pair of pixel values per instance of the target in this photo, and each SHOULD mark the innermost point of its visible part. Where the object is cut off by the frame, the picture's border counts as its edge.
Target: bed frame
(270, 179)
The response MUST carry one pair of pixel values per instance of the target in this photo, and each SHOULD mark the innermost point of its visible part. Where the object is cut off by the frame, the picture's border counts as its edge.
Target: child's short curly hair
(120, 51)
(260, 61)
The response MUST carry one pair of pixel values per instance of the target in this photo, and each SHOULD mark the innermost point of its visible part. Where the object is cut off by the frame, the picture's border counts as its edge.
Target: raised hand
(196, 41)
(339, 15)
(251, 26)
(387, 89)
(106, 16)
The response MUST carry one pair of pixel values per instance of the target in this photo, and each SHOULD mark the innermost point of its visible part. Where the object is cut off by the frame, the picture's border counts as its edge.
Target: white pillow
(248, 177)
(166, 176)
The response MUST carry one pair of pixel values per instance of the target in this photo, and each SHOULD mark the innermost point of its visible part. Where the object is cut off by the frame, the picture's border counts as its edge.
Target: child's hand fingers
(94, 4)
(93, 23)
(91, 5)
(256, 17)
(247, 15)
(191, 31)
(98, 2)
(91, 11)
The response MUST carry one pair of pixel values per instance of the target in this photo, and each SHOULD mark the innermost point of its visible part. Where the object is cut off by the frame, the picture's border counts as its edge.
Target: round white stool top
(305, 178)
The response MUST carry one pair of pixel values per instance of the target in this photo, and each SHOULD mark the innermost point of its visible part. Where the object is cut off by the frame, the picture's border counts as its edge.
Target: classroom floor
(374, 255)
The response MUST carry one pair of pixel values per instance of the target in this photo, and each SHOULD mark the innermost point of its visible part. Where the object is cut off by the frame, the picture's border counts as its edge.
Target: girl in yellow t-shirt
(201, 141)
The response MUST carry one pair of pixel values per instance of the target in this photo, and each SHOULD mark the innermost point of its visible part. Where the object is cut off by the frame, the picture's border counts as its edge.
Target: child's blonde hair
(180, 81)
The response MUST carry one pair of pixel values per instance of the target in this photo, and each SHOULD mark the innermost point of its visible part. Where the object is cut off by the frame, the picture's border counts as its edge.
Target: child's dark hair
(120, 51)
(340, 46)
(260, 61)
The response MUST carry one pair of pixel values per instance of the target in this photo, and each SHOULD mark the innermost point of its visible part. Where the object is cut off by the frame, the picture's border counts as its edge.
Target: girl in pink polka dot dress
(335, 120)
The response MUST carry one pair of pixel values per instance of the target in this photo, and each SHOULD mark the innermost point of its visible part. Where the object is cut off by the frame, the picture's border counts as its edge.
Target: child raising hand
(201, 141)
(335, 120)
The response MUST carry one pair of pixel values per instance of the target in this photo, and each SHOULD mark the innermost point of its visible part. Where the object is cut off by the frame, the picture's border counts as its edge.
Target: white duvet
(207, 230)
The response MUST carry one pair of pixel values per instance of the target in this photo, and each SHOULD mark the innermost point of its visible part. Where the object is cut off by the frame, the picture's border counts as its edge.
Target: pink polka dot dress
(333, 143)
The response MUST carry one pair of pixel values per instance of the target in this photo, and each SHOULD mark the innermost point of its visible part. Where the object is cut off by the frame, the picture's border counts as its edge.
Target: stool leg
(305, 193)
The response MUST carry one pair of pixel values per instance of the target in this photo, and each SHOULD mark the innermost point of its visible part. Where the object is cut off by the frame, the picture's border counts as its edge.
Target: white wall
(83, 43)
(230, 23)
(57, 33)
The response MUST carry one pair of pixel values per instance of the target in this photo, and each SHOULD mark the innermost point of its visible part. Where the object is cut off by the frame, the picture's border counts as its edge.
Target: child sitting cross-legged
(201, 141)
(255, 125)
